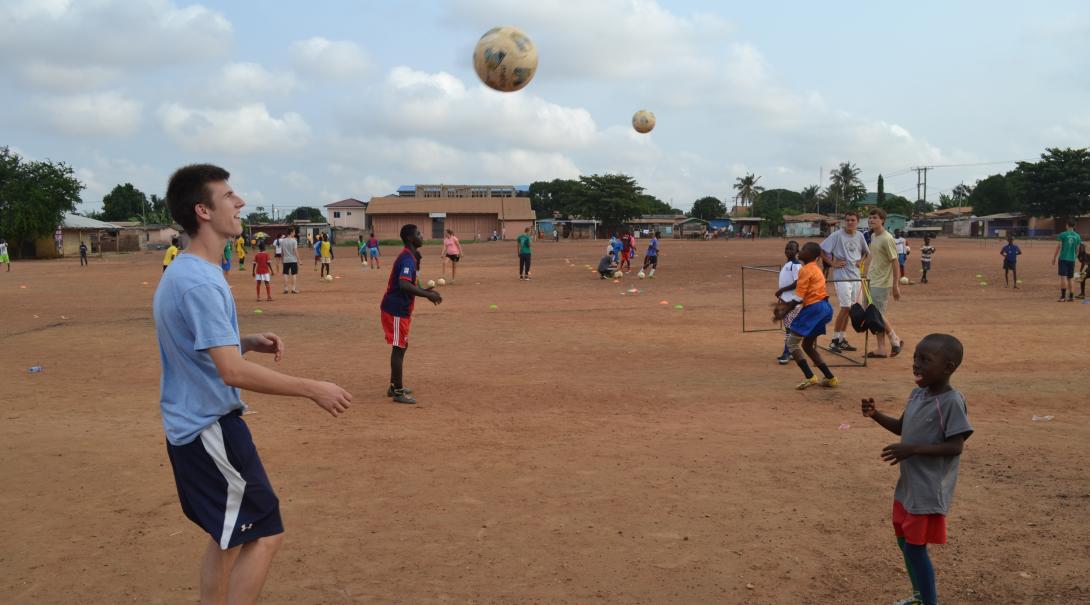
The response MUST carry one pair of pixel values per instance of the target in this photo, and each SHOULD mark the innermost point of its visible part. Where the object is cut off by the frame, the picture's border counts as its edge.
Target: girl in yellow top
(240, 252)
(327, 256)
(811, 320)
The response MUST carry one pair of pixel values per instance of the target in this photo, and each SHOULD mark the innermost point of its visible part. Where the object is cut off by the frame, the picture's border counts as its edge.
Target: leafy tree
(947, 201)
(158, 214)
(994, 195)
(772, 204)
(747, 188)
(259, 215)
(708, 208)
(961, 193)
(923, 207)
(810, 198)
(549, 197)
(1058, 185)
(34, 196)
(653, 205)
(897, 204)
(845, 188)
(124, 203)
(610, 198)
(305, 213)
(882, 192)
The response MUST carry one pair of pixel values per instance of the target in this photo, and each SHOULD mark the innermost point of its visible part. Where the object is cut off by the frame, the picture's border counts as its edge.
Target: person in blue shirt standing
(1010, 254)
(651, 257)
(221, 483)
(397, 308)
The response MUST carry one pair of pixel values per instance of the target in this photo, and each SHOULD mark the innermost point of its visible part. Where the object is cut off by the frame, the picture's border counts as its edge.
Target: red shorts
(918, 529)
(396, 329)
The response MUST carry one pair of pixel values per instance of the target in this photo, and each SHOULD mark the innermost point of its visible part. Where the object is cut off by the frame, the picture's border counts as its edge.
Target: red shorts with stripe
(396, 329)
(918, 529)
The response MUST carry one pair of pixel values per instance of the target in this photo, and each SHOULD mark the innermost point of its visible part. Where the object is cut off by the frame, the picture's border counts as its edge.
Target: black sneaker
(402, 396)
(391, 391)
(834, 346)
(844, 346)
(784, 359)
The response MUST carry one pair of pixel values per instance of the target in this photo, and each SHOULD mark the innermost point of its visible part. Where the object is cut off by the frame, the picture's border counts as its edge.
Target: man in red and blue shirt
(397, 308)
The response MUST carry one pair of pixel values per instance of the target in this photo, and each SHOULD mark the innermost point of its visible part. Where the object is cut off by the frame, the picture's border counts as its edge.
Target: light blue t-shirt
(194, 311)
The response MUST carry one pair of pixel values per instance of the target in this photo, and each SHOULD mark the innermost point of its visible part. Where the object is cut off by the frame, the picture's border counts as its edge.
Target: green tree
(810, 199)
(897, 204)
(610, 198)
(845, 188)
(158, 213)
(34, 197)
(555, 196)
(772, 204)
(961, 194)
(923, 207)
(881, 199)
(258, 216)
(653, 205)
(305, 213)
(1058, 185)
(947, 201)
(992, 196)
(124, 203)
(747, 188)
(708, 208)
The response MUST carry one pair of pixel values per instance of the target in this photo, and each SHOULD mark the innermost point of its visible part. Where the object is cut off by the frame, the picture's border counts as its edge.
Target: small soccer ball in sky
(442, 282)
(643, 121)
(505, 59)
(641, 275)
(431, 283)
(329, 278)
(904, 281)
(618, 274)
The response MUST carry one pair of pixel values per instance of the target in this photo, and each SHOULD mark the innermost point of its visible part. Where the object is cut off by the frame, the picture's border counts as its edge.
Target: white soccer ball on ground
(442, 282)
(329, 278)
(618, 274)
(641, 275)
(904, 281)
(505, 59)
(431, 283)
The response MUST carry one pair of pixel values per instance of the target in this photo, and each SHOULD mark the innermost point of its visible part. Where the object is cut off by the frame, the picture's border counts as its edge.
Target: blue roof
(406, 188)
(522, 188)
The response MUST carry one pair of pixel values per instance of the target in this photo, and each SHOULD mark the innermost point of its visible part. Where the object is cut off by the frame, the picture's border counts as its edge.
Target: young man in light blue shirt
(222, 485)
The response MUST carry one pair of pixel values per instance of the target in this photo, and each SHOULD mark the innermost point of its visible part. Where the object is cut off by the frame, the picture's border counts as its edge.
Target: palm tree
(811, 195)
(747, 188)
(845, 185)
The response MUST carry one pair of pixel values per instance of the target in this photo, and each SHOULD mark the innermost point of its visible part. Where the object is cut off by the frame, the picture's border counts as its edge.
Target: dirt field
(572, 445)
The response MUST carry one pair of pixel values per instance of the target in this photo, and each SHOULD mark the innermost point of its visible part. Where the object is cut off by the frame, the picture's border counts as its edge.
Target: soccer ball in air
(505, 59)
(442, 282)
(641, 275)
(329, 278)
(643, 121)
(904, 281)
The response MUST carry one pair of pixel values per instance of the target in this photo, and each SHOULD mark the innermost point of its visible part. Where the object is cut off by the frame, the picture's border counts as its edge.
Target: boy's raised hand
(868, 407)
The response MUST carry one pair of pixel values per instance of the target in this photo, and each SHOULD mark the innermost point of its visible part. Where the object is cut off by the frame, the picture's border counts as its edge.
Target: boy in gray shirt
(933, 430)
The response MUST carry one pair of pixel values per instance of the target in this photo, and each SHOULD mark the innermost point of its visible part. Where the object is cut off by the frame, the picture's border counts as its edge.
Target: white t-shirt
(900, 241)
(789, 274)
(3, 249)
(276, 246)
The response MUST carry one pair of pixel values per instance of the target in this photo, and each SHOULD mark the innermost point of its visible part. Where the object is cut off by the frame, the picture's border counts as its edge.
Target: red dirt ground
(572, 445)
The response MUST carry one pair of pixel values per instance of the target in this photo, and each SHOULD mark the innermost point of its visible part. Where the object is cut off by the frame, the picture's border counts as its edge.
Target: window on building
(349, 213)
(431, 193)
(336, 214)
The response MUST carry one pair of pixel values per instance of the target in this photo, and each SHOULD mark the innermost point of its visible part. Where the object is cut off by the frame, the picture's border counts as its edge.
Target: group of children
(621, 250)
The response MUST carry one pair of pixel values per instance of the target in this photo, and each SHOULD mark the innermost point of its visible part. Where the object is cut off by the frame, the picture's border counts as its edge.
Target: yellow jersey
(172, 253)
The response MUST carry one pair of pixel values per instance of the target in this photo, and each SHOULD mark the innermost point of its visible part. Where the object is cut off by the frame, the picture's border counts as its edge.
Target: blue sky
(309, 103)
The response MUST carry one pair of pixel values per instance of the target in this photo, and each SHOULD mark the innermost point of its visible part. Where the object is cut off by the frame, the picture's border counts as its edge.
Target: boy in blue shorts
(397, 308)
(651, 257)
(222, 485)
(933, 430)
(1010, 254)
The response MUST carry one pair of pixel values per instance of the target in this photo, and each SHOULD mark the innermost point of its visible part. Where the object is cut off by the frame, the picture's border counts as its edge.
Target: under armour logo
(245, 526)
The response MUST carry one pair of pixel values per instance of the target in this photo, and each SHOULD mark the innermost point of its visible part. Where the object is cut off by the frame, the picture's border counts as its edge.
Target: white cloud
(247, 129)
(98, 114)
(332, 59)
(51, 76)
(239, 82)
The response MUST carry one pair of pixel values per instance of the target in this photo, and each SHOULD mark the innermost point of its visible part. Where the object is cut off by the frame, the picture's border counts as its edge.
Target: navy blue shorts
(1067, 268)
(810, 322)
(222, 485)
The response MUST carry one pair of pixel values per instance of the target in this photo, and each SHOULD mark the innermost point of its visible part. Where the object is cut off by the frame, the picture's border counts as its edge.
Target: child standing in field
(902, 250)
(789, 277)
(372, 251)
(933, 430)
(361, 251)
(1010, 254)
(4, 258)
(171, 253)
(221, 483)
(452, 251)
(262, 272)
(651, 258)
(397, 308)
(926, 252)
(240, 251)
(82, 253)
(1084, 262)
(278, 251)
(811, 320)
(326, 250)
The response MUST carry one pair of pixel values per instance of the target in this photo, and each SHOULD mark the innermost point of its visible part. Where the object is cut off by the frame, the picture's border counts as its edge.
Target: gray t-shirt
(290, 250)
(926, 485)
(846, 247)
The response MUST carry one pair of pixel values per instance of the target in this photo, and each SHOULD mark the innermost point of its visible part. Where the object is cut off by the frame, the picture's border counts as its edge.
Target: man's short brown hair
(878, 212)
(851, 213)
(189, 187)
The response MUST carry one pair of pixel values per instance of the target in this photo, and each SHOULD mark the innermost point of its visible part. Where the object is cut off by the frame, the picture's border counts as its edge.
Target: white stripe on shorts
(397, 330)
(212, 439)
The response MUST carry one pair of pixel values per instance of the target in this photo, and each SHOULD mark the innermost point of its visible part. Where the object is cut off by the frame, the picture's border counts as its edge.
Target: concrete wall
(355, 218)
(802, 229)
(465, 226)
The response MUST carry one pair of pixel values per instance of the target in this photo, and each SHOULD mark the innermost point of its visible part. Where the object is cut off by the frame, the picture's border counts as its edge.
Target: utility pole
(921, 182)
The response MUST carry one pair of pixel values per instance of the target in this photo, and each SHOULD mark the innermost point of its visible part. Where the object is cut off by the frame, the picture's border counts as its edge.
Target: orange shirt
(811, 286)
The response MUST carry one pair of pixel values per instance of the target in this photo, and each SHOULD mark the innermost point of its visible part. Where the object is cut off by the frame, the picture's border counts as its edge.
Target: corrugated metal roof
(75, 221)
(347, 203)
(808, 217)
(509, 208)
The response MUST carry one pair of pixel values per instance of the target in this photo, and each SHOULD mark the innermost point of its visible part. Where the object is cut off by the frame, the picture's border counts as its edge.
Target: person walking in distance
(523, 245)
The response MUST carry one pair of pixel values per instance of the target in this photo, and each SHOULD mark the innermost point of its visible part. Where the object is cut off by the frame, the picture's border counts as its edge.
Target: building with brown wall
(469, 217)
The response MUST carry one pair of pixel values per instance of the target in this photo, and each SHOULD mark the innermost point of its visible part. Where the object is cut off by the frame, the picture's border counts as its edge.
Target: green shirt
(227, 251)
(1069, 245)
(524, 244)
